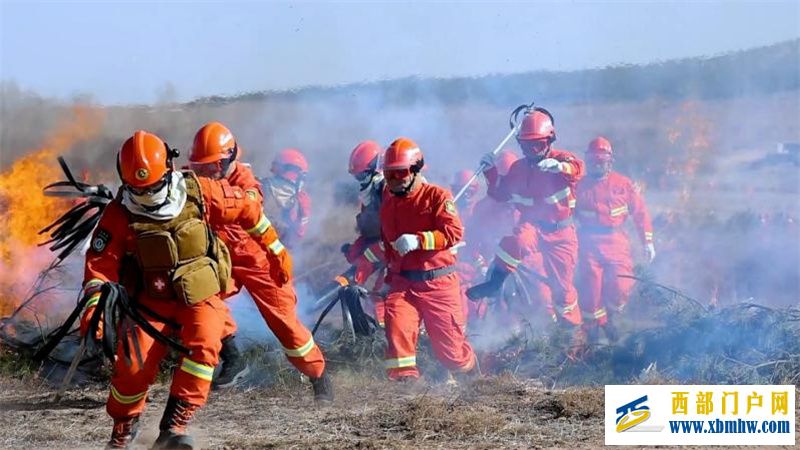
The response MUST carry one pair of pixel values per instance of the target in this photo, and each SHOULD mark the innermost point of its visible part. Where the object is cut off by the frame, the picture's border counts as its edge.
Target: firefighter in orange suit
(542, 187)
(419, 224)
(285, 196)
(215, 155)
(161, 217)
(366, 253)
(605, 200)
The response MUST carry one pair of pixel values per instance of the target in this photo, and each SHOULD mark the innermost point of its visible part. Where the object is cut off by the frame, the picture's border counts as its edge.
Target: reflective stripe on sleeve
(261, 227)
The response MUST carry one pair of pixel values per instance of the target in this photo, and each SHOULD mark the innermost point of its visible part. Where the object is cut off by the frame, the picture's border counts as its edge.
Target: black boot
(611, 333)
(233, 366)
(124, 432)
(177, 416)
(491, 286)
(323, 388)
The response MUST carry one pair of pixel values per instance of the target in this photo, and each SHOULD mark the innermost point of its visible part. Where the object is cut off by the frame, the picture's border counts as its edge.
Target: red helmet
(143, 160)
(537, 125)
(364, 157)
(290, 164)
(504, 161)
(403, 153)
(599, 148)
(212, 143)
(461, 178)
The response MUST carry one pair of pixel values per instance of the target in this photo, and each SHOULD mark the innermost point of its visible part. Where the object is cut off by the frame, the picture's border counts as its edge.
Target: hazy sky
(128, 51)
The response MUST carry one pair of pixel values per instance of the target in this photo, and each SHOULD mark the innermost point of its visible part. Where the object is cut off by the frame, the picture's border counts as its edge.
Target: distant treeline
(762, 70)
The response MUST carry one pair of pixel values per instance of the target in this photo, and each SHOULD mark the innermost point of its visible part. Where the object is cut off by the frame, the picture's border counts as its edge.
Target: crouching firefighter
(162, 219)
(215, 154)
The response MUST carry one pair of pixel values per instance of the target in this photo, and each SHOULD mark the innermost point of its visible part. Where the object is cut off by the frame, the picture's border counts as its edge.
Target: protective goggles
(599, 157)
(364, 176)
(397, 174)
(533, 146)
(209, 169)
(151, 189)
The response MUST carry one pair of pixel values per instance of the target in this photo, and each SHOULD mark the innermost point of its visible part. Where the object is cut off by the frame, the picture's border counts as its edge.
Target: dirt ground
(495, 412)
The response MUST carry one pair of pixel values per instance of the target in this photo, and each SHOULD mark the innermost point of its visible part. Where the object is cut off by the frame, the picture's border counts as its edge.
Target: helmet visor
(209, 170)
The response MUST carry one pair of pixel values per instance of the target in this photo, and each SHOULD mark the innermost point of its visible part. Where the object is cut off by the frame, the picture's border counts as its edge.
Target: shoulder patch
(450, 207)
(100, 240)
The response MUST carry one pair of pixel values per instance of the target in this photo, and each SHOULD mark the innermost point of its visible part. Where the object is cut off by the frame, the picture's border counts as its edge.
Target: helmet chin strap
(536, 159)
(406, 189)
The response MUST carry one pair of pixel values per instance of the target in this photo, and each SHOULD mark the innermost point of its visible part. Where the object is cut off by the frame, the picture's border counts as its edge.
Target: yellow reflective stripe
(506, 258)
(570, 307)
(600, 313)
(300, 351)
(94, 282)
(383, 247)
(648, 235)
(261, 227)
(371, 256)
(560, 195)
(566, 168)
(516, 198)
(397, 363)
(92, 300)
(201, 371)
(554, 317)
(572, 202)
(620, 210)
(126, 399)
(276, 247)
(305, 220)
(428, 240)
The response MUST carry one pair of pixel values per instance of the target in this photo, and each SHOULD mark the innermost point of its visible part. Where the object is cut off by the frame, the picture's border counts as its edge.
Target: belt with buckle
(550, 227)
(427, 275)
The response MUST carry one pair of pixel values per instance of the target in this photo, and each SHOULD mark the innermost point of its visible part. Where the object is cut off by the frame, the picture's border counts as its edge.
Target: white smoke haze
(696, 134)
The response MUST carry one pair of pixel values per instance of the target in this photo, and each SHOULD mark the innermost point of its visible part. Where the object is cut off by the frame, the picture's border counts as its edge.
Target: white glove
(650, 249)
(454, 249)
(406, 243)
(487, 161)
(550, 165)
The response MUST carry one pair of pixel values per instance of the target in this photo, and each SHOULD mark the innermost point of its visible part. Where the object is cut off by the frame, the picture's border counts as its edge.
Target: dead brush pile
(669, 337)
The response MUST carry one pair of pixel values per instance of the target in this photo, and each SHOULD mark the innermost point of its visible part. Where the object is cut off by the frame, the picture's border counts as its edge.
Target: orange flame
(25, 209)
(692, 132)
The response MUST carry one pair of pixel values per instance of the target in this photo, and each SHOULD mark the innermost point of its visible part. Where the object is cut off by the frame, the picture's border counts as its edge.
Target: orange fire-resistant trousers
(278, 307)
(602, 258)
(553, 255)
(437, 303)
(201, 331)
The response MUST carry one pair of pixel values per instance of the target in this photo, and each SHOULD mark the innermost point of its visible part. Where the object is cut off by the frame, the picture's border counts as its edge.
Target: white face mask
(172, 198)
(366, 194)
(283, 190)
(154, 199)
